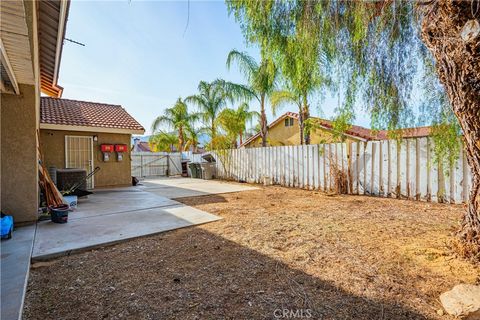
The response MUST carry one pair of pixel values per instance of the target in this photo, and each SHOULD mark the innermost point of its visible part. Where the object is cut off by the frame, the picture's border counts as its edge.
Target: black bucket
(59, 214)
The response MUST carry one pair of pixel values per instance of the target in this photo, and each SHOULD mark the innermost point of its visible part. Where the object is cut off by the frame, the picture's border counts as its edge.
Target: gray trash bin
(209, 168)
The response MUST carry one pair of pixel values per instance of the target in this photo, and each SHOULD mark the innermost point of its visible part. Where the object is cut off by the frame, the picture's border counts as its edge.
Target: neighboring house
(140, 146)
(31, 41)
(72, 133)
(284, 131)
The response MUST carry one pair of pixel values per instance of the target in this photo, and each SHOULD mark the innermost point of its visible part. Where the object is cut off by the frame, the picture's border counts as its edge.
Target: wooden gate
(155, 164)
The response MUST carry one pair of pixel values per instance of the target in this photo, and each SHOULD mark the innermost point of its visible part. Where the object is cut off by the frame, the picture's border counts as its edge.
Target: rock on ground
(462, 301)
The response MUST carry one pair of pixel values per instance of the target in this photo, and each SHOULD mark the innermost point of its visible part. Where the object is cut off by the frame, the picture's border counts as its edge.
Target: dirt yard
(313, 255)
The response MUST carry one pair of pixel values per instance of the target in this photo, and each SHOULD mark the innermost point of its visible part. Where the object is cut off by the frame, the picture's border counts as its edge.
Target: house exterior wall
(19, 170)
(281, 135)
(112, 173)
(19, 121)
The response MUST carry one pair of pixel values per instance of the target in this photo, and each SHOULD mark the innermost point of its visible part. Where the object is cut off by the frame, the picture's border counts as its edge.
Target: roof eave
(66, 127)
(49, 83)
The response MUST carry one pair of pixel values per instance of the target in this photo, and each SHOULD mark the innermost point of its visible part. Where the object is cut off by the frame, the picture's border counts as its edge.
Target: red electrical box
(106, 147)
(121, 148)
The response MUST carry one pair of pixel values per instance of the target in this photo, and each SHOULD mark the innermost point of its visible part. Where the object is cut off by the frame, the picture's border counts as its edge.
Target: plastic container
(59, 214)
(71, 201)
(6, 226)
(193, 170)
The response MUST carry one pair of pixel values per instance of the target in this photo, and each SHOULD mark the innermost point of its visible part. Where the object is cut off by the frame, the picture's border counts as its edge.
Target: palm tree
(234, 122)
(178, 118)
(261, 79)
(162, 141)
(192, 137)
(212, 98)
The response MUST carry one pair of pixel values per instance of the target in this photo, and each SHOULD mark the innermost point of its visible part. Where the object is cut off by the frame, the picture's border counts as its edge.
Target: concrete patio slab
(104, 202)
(79, 234)
(112, 215)
(174, 188)
(15, 265)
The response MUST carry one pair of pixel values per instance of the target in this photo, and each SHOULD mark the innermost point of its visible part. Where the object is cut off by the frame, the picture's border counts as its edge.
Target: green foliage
(261, 77)
(371, 49)
(175, 117)
(162, 142)
(192, 134)
(234, 121)
(281, 98)
(446, 144)
(341, 124)
(212, 98)
(178, 118)
(220, 142)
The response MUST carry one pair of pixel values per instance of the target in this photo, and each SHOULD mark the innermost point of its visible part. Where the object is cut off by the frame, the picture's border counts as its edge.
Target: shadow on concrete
(191, 274)
(199, 200)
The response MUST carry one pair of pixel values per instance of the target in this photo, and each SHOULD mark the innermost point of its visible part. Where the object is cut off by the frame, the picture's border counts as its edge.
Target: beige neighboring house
(72, 133)
(31, 41)
(284, 131)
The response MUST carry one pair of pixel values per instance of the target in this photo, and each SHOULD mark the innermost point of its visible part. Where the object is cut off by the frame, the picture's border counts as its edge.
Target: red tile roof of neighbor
(356, 131)
(83, 113)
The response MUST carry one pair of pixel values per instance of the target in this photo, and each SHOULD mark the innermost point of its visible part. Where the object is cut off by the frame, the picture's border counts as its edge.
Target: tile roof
(83, 113)
(141, 146)
(417, 132)
(354, 130)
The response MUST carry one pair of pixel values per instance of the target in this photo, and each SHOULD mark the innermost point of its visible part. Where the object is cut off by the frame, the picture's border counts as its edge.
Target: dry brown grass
(342, 257)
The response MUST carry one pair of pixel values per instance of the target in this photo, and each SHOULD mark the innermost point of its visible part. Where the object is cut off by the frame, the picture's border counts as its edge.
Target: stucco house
(73, 132)
(31, 42)
(284, 131)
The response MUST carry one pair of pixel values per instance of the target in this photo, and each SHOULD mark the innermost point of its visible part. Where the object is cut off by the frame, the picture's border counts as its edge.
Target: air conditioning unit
(66, 178)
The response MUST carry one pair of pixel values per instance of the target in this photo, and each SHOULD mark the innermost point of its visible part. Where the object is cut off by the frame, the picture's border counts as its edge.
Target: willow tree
(261, 81)
(178, 118)
(301, 60)
(379, 50)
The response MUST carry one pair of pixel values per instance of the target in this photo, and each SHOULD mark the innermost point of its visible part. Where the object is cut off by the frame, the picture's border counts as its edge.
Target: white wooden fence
(381, 168)
(155, 164)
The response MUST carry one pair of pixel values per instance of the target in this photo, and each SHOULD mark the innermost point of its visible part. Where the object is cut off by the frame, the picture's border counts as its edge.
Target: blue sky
(138, 54)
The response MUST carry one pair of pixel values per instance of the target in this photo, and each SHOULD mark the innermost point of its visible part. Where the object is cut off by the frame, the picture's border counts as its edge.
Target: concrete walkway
(108, 217)
(15, 265)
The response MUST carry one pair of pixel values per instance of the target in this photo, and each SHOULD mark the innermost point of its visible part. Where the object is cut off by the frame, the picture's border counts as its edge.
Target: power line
(76, 42)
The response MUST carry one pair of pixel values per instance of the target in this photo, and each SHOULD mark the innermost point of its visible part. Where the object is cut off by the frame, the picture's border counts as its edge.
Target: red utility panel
(121, 148)
(106, 147)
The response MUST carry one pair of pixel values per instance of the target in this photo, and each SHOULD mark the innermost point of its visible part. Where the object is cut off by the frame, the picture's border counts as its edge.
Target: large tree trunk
(213, 133)
(458, 65)
(263, 122)
(181, 142)
(301, 125)
(305, 116)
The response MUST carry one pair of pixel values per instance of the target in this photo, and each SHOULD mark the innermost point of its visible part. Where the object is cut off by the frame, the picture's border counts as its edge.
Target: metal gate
(155, 164)
(79, 155)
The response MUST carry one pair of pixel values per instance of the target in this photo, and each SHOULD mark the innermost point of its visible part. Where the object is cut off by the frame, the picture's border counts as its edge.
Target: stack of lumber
(52, 195)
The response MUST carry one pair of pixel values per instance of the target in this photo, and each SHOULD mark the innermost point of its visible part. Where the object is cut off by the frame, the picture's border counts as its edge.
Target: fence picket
(382, 168)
